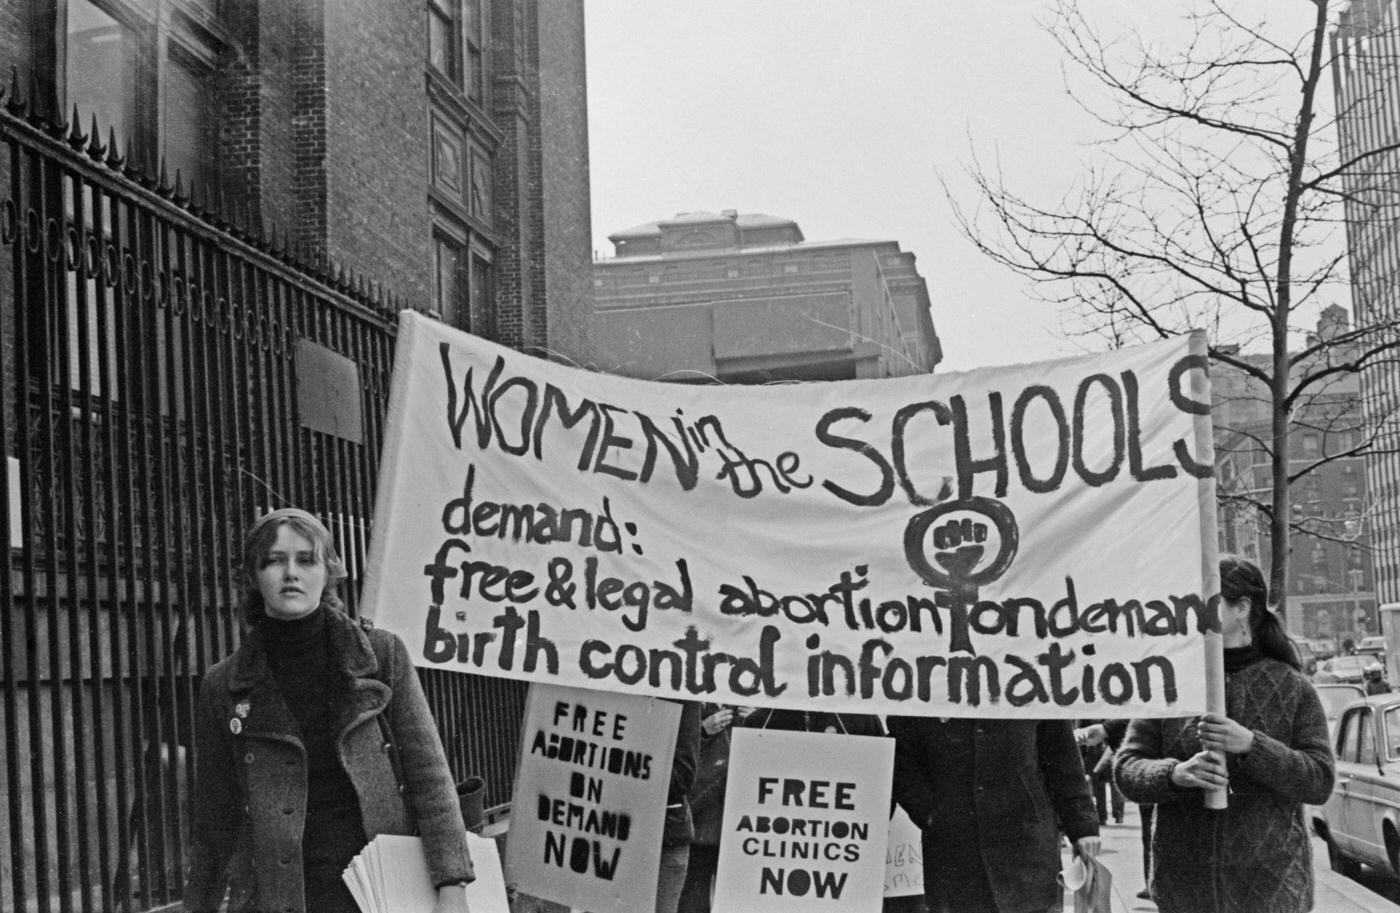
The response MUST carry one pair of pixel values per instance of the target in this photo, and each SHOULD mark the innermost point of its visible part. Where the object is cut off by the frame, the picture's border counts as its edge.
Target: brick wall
(513, 110)
(377, 142)
(566, 225)
(308, 94)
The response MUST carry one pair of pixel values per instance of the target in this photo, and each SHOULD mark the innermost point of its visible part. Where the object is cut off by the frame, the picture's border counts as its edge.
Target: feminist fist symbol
(959, 544)
(959, 548)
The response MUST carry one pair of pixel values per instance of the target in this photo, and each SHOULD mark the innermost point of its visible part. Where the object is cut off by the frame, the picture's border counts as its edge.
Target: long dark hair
(258, 542)
(1240, 579)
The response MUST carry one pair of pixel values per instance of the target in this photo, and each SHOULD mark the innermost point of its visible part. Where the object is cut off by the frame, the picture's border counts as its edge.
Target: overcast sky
(842, 115)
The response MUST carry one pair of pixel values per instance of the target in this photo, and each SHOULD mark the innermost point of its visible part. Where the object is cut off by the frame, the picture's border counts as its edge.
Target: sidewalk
(1122, 854)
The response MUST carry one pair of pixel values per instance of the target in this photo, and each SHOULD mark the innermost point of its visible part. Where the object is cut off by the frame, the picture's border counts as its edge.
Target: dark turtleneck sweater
(315, 688)
(1240, 658)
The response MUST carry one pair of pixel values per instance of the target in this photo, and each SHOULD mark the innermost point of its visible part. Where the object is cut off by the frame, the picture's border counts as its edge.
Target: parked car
(1323, 648)
(1343, 669)
(1373, 647)
(1361, 820)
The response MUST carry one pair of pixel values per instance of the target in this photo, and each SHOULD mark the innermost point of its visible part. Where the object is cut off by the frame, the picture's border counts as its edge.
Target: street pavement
(1122, 855)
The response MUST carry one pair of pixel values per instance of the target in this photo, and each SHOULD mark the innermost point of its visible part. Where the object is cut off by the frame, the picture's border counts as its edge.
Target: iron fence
(166, 374)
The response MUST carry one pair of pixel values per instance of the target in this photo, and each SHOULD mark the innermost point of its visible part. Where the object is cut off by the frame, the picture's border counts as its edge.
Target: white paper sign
(904, 857)
(589, 804)
(805, 821)
(1026, 541)
(390, 875)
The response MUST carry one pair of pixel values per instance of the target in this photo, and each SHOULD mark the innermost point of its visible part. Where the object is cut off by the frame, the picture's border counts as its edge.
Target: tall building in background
(744, 298)
(1331, 594)
(1366, 81)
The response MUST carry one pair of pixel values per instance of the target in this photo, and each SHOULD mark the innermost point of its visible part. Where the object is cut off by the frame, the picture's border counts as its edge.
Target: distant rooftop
(693, 231)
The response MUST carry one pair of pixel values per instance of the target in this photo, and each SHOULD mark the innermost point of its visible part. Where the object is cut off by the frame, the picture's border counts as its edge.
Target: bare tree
(1216, 202)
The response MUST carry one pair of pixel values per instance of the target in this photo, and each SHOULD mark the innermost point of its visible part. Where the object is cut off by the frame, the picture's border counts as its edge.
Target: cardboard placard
(590, 798)
(806, 816)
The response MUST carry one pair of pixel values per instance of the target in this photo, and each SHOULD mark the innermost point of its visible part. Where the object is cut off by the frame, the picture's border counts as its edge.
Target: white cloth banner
(1025, 541)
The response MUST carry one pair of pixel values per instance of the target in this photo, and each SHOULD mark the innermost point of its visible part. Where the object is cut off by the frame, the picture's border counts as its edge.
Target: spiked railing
(210, 205)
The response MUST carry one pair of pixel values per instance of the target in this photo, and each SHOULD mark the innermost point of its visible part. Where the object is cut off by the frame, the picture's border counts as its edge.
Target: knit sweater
(1255, 854)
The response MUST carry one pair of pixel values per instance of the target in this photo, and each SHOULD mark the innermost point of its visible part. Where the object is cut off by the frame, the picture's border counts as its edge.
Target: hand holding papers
(1091, 883)
(390, 875)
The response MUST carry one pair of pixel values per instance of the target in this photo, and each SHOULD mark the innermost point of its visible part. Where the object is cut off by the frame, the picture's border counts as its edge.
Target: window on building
(188, 114)
(462, 284)
(1310, 445)
(457, 43)
(145, 80)
(475, 59)
(100, 69)
(518, 31)
(444, 23)
(450, 288)
(482, 296)
(108, 57)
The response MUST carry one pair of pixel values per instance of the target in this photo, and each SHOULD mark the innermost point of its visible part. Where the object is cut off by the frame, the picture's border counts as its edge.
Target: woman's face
(290, 576)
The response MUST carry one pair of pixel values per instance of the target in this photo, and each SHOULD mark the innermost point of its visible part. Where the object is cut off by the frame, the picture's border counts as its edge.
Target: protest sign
(805, 821)
(1025, 541)
(590, 798)
(904, 857)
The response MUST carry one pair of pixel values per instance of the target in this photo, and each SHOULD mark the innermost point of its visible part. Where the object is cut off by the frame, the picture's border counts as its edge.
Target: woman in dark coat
(707, 803)
(1255, 854)
(992, 797)
(311, 739)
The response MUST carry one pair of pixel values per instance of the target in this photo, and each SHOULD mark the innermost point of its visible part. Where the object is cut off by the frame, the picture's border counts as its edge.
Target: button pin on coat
(235, 725)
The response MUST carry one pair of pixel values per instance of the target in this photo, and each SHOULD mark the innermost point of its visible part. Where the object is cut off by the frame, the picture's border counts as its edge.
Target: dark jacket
(706, 794)
(815, 721)
(249, 801)
(680, 828)
(1255, 855)
(1026, 782)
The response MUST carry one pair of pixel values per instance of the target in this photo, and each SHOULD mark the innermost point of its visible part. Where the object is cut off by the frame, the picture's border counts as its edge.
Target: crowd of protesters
(314, 737)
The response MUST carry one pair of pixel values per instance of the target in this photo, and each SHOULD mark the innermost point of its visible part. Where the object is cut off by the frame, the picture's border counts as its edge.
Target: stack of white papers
(390, 875)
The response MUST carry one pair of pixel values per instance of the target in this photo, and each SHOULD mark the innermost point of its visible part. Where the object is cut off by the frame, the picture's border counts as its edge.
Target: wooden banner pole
(1210, 559)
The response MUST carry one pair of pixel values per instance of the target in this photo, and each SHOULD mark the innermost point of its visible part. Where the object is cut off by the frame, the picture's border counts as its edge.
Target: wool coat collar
(259, 704)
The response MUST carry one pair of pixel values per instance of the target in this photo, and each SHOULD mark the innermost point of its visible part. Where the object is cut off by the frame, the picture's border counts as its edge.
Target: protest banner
(904, 857)
(806, 816)
(590, 798)
(1024, 541)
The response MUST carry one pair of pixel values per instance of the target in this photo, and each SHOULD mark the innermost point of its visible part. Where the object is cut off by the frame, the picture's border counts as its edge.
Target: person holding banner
(1270, 748)
(313, 738)
(992, 797)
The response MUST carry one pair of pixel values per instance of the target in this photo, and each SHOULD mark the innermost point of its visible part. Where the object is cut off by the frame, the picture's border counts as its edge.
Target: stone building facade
(745, 298)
